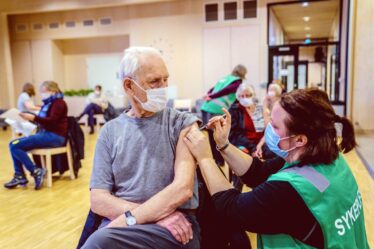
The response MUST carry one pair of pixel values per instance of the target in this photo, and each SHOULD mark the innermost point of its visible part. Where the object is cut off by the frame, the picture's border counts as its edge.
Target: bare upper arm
(185, 165)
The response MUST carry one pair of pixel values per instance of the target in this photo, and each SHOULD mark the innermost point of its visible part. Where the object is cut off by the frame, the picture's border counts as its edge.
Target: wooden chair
(99, 120)
(46, 159)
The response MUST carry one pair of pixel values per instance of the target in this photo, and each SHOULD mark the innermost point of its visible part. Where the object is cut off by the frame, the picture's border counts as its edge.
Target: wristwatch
(130, 219)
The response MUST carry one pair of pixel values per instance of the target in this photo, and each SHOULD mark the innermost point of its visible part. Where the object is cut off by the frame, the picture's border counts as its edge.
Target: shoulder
(24, 96)
(60, 103)
(176, 116)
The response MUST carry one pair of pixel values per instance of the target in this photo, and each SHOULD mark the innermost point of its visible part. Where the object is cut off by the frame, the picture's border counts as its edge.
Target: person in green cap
(308, 197)
(223, 93)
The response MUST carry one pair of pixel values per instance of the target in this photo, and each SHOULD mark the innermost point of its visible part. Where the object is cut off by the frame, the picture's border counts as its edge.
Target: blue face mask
(272, 140)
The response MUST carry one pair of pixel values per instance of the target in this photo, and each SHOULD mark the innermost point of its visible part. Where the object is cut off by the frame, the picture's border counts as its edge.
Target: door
(280, 59)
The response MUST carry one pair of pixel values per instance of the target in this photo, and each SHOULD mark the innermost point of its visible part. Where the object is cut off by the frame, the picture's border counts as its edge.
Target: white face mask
(157, 98)
(271, 93)
(45, 95)
(246, 101)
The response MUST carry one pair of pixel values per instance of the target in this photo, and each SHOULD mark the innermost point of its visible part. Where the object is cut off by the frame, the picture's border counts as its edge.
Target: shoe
(17, 180)
(38, 177)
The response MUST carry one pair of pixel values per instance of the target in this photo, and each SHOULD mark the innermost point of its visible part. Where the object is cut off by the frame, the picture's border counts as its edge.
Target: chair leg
(70, 161)
(49, 170)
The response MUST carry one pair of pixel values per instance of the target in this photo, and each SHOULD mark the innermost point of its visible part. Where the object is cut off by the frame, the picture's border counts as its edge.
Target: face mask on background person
(246, 101)
(97, 93)
(45, 95)
(272, 140)
(271, 94)
(157, 98)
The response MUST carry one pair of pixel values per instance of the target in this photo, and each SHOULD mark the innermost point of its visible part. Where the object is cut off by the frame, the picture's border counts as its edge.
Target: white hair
(244, 86)
(130, 61)
(277, 88)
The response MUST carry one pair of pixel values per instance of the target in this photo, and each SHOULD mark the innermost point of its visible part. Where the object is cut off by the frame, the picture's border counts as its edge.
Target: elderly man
(143, 179)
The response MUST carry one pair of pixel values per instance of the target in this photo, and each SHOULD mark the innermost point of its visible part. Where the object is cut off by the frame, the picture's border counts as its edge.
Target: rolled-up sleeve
(102, 173)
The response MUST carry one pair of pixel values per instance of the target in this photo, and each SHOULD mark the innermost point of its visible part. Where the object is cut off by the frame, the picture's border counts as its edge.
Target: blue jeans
(91, 110)
(19, 147)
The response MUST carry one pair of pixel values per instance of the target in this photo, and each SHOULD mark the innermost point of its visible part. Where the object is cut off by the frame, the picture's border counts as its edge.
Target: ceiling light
(307, 35)
(305, 4)
(306, 18)
(307, 28)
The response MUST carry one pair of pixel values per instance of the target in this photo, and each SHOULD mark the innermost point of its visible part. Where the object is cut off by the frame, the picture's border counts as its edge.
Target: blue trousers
(91, 110)
(19, 147)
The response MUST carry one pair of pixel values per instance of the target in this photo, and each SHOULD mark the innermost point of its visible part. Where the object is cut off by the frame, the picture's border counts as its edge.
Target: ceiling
(37, 6)
(321, 13)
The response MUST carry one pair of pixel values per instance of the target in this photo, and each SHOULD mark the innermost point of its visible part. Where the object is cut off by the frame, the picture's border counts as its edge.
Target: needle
(204, 126)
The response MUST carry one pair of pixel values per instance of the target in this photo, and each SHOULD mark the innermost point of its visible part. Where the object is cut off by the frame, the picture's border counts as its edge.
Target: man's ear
(128, 86)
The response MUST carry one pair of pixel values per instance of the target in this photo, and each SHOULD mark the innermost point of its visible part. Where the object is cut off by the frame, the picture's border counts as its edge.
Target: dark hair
(98, 87)
(311, 114)
(29, 89)
(239, 71)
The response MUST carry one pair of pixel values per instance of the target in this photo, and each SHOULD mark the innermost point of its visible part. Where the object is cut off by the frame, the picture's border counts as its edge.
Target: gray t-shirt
(134, 157)
(22, 98)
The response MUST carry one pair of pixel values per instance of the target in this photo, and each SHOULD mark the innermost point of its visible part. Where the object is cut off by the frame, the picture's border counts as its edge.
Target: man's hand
(178, 226)
(118, 222)
(27, 116)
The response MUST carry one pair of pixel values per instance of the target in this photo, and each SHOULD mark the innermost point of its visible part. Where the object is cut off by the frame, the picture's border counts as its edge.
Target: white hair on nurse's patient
(130, 61)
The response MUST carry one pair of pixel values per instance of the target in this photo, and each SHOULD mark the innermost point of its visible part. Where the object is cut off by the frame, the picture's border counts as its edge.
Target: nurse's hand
(198, 144)
(221, 127)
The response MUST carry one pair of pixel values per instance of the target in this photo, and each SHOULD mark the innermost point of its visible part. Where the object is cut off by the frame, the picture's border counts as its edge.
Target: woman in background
(25, 102)
(53, 122)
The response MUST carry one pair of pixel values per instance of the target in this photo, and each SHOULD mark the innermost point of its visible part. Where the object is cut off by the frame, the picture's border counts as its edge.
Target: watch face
(131, 221)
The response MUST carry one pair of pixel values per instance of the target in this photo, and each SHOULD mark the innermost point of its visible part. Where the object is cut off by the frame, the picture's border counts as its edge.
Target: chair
(99, 120)
(46, 159)
(183, 104)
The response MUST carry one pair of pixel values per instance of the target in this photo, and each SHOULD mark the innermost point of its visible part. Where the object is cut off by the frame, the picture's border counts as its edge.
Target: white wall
(177, 28)
(363, 66)
(6, 78)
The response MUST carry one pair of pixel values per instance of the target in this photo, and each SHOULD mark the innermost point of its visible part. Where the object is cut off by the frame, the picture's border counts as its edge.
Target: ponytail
(348, 135)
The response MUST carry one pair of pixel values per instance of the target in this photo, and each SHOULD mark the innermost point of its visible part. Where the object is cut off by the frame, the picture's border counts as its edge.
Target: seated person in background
(52, 119)
(143, 178)
(247, 126)
(273, 95)
(25, 102)
(96, 104)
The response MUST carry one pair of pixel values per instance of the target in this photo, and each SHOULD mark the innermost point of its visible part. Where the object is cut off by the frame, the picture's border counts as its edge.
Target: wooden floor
(54, 217)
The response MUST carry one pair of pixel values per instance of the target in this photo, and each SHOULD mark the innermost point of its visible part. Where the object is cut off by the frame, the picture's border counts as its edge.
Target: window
(54, 25)
(37, 27)
(88, 22)
(105, 21)
(21, 28)
(230, 10)
(250, 9)
(70, 24)
(211, 12)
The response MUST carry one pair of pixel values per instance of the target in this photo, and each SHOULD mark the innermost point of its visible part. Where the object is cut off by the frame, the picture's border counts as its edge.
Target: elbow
(95, 203)
(186, 193)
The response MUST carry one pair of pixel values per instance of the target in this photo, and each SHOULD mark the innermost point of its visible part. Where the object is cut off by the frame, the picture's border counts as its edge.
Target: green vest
(214, 106)
(331, 194)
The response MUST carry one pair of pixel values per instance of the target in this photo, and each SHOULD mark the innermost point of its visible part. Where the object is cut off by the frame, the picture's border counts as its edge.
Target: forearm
(213, 177)
(109, 206)
(237, 160)
(163, 203)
